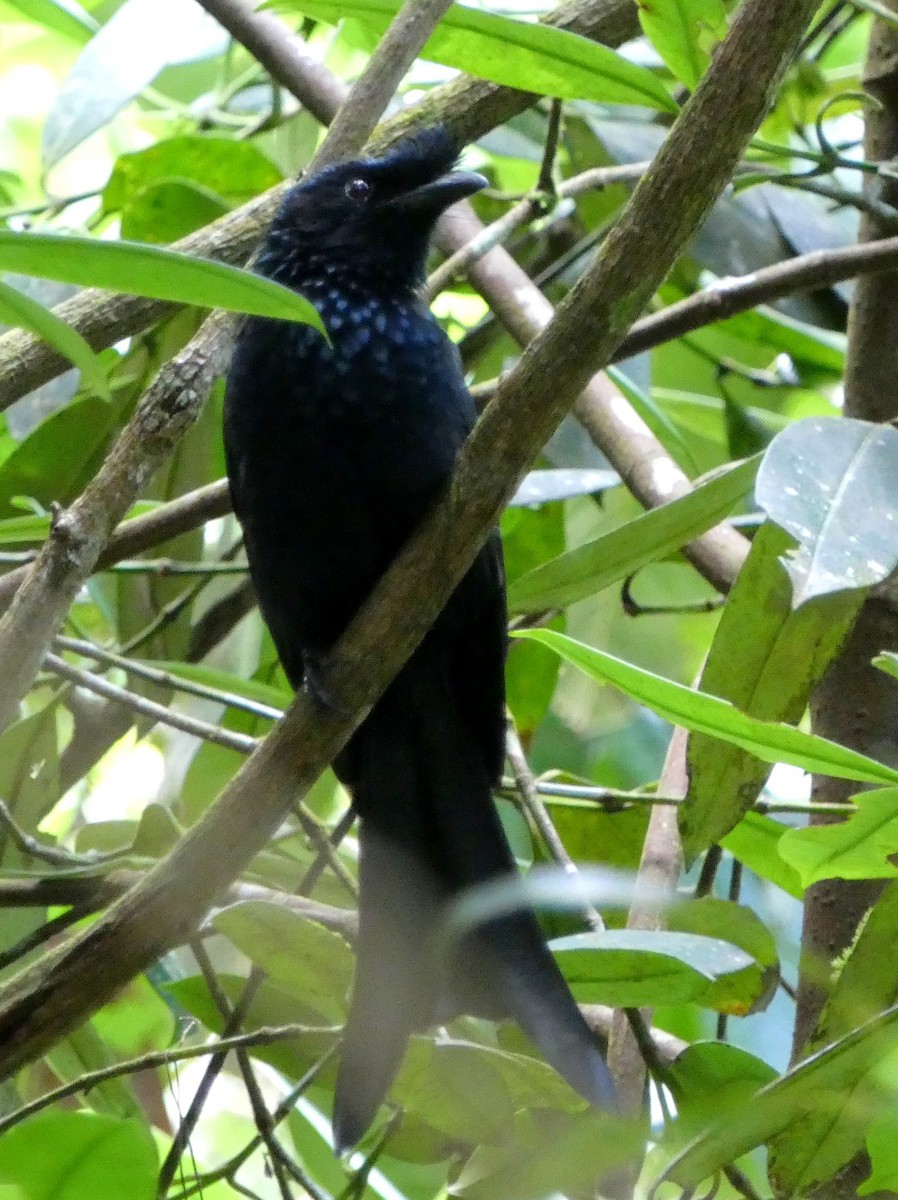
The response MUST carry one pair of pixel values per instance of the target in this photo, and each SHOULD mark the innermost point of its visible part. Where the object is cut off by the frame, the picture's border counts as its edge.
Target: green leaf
(833, 1086)
(18, 309)
(742, 992)
(85, 1050)
(614, 556)
(271, 1005)
(560, 1156)
(821, 349)
(29, 772)
(141, 270)
(882, 1141)
(857, 848)
(656, 418)
(57, 459)
(878, 9)
(712, 1076)
(457, 1088)
(695, 710)
(235, 171)
(766, 657)
(866, 981)
(817, 475)
(755, 842)
(62, 16)
(169, 210)
(79, 1156)
(629, 968)
(295, 952)
(528, 538)
(535, 58)
(35, 527)
(684, 32)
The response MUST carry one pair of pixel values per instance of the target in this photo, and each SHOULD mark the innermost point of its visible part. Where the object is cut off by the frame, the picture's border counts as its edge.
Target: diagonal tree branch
(693, 166)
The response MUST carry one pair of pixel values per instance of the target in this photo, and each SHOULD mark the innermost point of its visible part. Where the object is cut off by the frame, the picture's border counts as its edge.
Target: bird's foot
(314, 685)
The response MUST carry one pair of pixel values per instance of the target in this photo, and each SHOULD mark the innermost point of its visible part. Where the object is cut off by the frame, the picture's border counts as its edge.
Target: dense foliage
(130, 125)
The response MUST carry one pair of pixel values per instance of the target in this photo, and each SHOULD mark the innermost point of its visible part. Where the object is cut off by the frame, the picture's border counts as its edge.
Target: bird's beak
(433, 198)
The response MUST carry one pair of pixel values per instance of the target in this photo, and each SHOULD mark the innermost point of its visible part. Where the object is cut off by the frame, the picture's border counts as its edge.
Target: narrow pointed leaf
(614, 556)
(697, 711)
(533, 57)
(18, 309)
(141, 270)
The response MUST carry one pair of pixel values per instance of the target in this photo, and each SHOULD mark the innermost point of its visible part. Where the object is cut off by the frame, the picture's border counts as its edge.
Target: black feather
(335, 451)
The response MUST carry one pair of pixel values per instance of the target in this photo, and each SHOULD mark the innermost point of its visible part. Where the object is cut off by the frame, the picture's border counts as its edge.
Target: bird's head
(372, 217)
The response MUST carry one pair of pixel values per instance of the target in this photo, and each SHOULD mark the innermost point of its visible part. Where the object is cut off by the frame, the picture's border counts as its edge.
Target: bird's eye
(358, 190)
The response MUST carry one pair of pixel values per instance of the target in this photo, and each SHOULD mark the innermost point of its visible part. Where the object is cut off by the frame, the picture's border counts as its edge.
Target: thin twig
(31, 847)
(203, 730)
(167, 679)
(534, 806)
(265, 1035)
(261, 1115)
(283, 1110)
(546, 181)
(595, 179)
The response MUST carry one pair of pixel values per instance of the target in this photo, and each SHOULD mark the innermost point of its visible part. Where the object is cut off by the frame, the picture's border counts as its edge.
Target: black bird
(334, 454)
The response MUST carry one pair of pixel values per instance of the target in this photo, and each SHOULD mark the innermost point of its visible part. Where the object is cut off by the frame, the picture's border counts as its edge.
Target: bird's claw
(313, 685)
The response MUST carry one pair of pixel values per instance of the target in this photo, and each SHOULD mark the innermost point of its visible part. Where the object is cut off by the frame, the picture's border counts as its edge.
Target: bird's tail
(394, 990)
(429, 829)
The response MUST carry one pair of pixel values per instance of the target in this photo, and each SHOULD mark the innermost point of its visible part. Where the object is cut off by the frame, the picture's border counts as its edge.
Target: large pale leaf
(151, 271)
(614, 556)
(566, 1155)
(698, 711)
(630, 968)
(817, 478)
(535, 58)
(120, 61)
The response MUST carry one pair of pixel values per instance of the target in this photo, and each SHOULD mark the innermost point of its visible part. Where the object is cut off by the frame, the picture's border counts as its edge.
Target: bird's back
(335, 452)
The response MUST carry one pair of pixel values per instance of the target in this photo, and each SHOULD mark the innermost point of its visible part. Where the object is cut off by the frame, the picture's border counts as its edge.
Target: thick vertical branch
(856, 704)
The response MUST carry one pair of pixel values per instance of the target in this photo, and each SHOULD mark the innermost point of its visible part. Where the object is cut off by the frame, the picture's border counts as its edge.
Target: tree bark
(856, 704)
